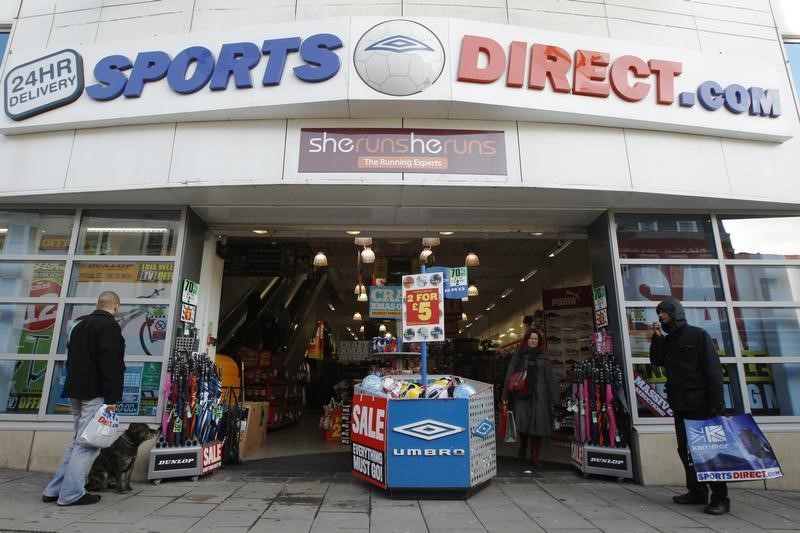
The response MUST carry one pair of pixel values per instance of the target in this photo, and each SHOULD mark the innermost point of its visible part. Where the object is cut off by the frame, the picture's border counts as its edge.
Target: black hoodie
(694, 373)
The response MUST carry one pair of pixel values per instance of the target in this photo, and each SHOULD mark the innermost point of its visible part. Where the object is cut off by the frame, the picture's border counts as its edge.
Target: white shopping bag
(511, 427)
(102, 430)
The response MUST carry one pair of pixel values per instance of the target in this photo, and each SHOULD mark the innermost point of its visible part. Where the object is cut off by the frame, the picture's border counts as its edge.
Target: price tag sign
(423, 308)
(190, 292)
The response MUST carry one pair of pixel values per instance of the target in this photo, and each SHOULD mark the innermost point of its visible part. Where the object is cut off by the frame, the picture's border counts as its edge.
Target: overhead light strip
(127, 230)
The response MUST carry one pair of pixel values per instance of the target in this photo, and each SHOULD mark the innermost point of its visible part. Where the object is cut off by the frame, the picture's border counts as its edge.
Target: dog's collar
(126, 439)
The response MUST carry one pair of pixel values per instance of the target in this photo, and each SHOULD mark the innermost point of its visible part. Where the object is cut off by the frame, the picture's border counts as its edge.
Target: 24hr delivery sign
(423, 308)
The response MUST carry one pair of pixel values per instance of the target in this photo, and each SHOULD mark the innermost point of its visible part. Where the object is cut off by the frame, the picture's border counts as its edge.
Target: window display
(21, 384)
(35, 232)
(128, 280)
(766, 238)
(27, 328)
(712, 319)
(128, 233)
(685, 282)
(764, 283)
(649, 236)
(31, 279)
(768, 331)
(144, 326)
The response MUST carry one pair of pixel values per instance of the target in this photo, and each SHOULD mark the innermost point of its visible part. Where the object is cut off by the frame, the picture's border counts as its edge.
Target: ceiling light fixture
(464, 317)
(559, 247)
(491, 306)
(529, 275)
(472, 290)
(446, 233)
(331, 307)
(356, 317)
(362, 297)
(535, 233)
(361, 329)
(320, 260)
(3, 230)
(363, 241)
(472, 259)
(127, 230)
(382, 328)
(425, 254)
(367, 255)
(506, 293)
(261, 231)
(353, 231)
(360, 288)
(388, 335)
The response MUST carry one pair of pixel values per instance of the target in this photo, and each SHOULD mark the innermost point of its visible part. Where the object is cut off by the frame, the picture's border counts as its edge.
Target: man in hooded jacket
(694, 391)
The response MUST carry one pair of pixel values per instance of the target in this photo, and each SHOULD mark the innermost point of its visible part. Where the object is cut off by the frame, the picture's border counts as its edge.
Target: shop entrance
(303, 337)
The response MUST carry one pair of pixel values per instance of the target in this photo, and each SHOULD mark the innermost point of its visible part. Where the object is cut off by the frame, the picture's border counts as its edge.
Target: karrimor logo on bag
(708, 438)
(428, 429)
(399, 57)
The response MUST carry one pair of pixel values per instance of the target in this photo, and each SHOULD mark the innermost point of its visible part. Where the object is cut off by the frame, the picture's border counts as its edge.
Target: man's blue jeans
(69, 480)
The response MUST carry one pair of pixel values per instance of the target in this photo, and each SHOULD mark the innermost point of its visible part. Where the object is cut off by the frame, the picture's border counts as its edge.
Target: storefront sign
(175, 461)
(368, 433)
(351, 67)
(423, 308)
(402, 150)
(385, 302)
(455, 282)
(568, 297)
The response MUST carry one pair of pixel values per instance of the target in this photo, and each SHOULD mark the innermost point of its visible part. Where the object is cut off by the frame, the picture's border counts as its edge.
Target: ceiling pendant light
(382, 328)
(558, 248)
(388, 335)
(356, 317)
(428, 243)
(367, 255)
(472, 290)
(464, 317)
(362, 297)
(425, 254)
(320, 260)
(361, 329)
(472, 259)
(359, 288)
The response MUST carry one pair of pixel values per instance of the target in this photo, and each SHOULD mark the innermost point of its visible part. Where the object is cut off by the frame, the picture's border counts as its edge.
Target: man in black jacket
(95, 371)
(694, 391)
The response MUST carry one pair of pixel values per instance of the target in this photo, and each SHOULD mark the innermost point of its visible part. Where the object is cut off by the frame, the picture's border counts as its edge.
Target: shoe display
(719, 505)
(690, 498)
(49, 499)
(86, 499)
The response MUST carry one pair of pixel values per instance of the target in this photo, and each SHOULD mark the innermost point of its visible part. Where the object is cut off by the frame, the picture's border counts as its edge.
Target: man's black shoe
(86, 499)
(690, 498)
(719, 505)
(49, 499)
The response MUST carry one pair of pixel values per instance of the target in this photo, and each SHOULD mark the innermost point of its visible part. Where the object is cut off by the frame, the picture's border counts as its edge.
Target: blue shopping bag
(730, 448)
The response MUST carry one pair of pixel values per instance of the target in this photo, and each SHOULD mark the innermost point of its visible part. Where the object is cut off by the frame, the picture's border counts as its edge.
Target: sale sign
(423, 307)
(368, 423)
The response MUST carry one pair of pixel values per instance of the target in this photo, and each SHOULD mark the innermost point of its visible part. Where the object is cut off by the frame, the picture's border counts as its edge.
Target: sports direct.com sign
(363, 67)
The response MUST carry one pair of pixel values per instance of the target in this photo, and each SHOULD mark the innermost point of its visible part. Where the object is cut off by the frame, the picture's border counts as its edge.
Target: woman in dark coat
(534, 415)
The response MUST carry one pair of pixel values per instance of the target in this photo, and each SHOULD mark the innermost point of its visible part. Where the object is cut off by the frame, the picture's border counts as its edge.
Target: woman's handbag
(101, 432)
(518, 385)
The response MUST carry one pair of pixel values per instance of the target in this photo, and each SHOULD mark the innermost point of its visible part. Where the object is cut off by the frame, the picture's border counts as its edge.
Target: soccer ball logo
(399, 57)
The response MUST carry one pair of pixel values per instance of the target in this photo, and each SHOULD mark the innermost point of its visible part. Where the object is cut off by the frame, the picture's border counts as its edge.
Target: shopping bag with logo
(503, 422)
(730, 448)
(102, 430)
(518, 385)
(511, 427)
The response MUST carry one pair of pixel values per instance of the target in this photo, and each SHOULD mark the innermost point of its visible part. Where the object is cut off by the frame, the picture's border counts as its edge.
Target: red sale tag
(422, 307)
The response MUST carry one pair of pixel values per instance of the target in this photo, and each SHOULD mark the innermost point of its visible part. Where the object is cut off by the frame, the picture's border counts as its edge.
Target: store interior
(290, 321)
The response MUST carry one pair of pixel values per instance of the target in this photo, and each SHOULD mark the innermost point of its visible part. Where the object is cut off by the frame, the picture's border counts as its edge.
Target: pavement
(239, 499)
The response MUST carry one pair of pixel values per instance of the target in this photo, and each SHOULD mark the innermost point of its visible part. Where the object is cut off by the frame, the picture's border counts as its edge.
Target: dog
(114, 466)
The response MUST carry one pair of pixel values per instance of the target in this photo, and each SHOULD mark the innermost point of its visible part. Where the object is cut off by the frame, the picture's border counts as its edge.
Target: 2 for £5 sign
(423, 308)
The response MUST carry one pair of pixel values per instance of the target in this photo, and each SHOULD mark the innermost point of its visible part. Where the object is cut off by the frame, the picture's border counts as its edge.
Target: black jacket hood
(673, 308)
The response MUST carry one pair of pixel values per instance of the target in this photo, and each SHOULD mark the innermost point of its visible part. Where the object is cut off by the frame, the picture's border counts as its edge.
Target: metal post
(424, 351)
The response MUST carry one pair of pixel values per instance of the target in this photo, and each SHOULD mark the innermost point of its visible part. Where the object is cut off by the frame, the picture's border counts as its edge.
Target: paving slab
(163, 524)
(326, 521)
(282, 525)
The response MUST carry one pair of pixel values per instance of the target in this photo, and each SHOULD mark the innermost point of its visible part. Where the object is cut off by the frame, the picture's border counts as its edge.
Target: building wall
(180, 155)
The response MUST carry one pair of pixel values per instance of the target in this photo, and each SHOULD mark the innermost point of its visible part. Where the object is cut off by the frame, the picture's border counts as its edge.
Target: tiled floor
(242, 500)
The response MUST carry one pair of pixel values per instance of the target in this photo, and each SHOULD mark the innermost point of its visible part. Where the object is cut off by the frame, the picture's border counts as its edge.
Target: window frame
(728, 304)
(61, 421)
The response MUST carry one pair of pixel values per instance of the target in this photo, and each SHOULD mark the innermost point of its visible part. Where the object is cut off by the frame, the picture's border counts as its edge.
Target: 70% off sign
(423, 308)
